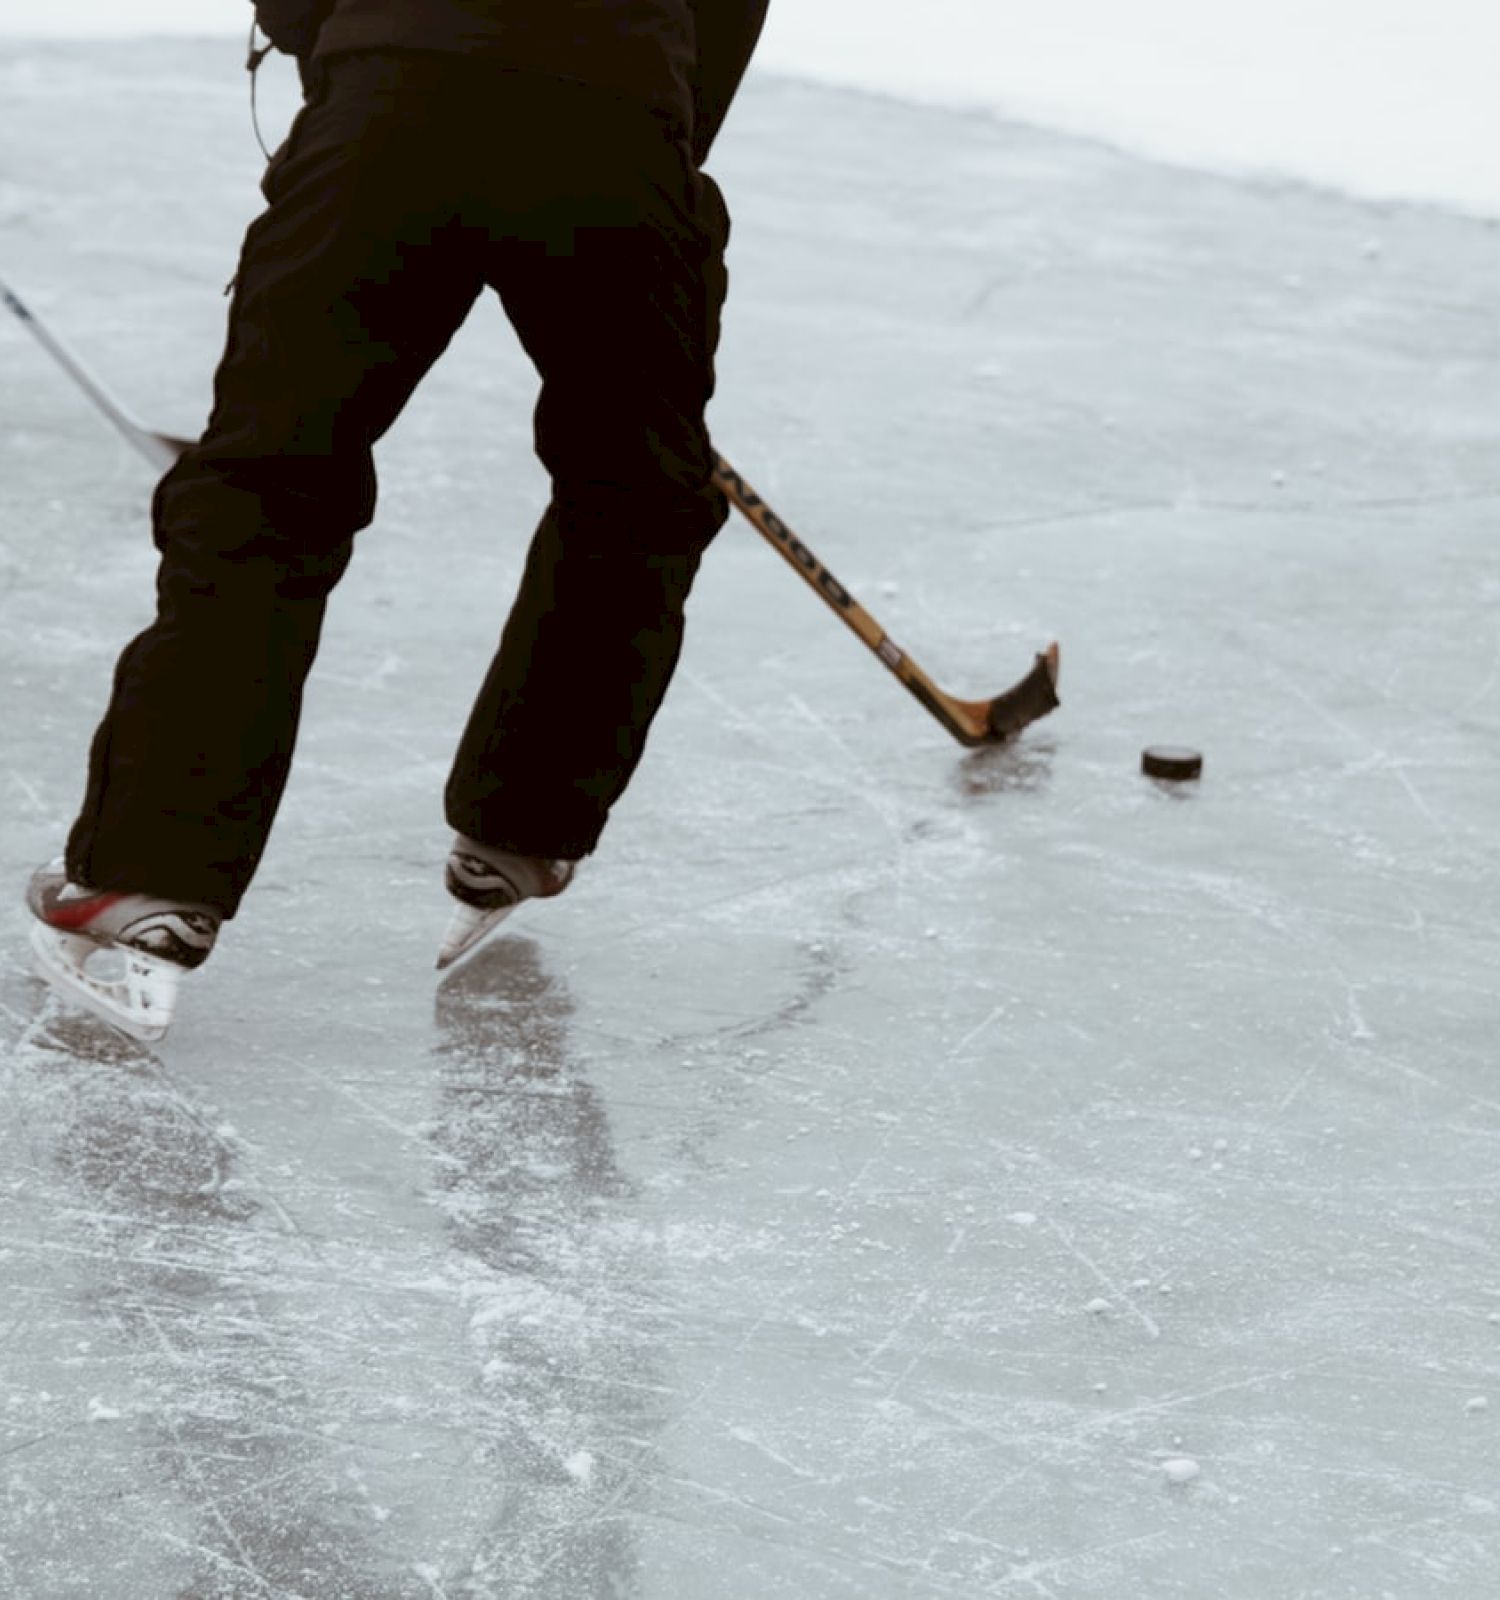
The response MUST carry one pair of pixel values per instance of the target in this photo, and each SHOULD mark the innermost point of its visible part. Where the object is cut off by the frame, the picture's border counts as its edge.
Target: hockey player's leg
(619, 312)
(348, 290)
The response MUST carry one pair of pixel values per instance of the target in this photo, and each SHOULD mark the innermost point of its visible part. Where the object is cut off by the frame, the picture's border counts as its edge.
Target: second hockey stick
(160, 450)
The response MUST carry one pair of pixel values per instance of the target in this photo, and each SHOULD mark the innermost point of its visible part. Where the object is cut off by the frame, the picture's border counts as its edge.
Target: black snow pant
(409, 183)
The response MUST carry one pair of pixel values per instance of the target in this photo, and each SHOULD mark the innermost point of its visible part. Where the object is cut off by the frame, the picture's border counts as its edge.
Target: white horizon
(1387, 99)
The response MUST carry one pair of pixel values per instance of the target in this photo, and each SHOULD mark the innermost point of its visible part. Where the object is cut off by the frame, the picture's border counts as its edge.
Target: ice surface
(720, 1232)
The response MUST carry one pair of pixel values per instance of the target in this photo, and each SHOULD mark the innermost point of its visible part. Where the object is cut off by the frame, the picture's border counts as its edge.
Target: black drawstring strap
(252, 65)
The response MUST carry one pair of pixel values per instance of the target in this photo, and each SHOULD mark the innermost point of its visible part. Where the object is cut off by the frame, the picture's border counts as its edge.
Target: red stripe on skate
(78, 914)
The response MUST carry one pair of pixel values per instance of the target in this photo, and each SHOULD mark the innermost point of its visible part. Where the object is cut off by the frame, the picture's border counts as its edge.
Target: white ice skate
(488, 885)
(122, 956)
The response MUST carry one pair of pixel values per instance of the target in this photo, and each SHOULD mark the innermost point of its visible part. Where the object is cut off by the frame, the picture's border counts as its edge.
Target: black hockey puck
(1171, 761)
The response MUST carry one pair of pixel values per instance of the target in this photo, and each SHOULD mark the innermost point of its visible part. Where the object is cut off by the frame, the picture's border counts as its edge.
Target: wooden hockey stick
(971, 722)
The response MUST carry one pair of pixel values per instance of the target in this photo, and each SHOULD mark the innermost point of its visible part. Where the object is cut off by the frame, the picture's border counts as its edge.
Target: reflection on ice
(562, 1315)
(271, 1403)
(203, 1452)
(1023, 766)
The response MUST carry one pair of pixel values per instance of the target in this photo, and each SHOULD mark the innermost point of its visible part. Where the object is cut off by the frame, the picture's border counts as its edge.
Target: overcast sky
(1386, 97)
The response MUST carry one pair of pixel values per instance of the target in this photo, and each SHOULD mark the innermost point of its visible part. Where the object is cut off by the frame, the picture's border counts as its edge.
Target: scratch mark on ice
(1430, 1082)
(265, 1588)
(1031, 1572)
(33, 796)
(897, 1328)
(731, 712)
(868, 791)
(341, 1087)
(1121, 1295)
(1359, 1028)
(26, 1444)
(429, 1575)
(1381, 759)
(744, 1436)
(968, 1039)
(211, 1507)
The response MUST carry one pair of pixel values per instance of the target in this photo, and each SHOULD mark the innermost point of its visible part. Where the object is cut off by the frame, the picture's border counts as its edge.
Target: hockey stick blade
(161, 450)
(971, 722)
(1026, 701)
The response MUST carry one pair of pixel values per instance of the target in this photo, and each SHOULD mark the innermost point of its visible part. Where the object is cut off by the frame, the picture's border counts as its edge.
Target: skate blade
(468, 928)
(139, 999)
